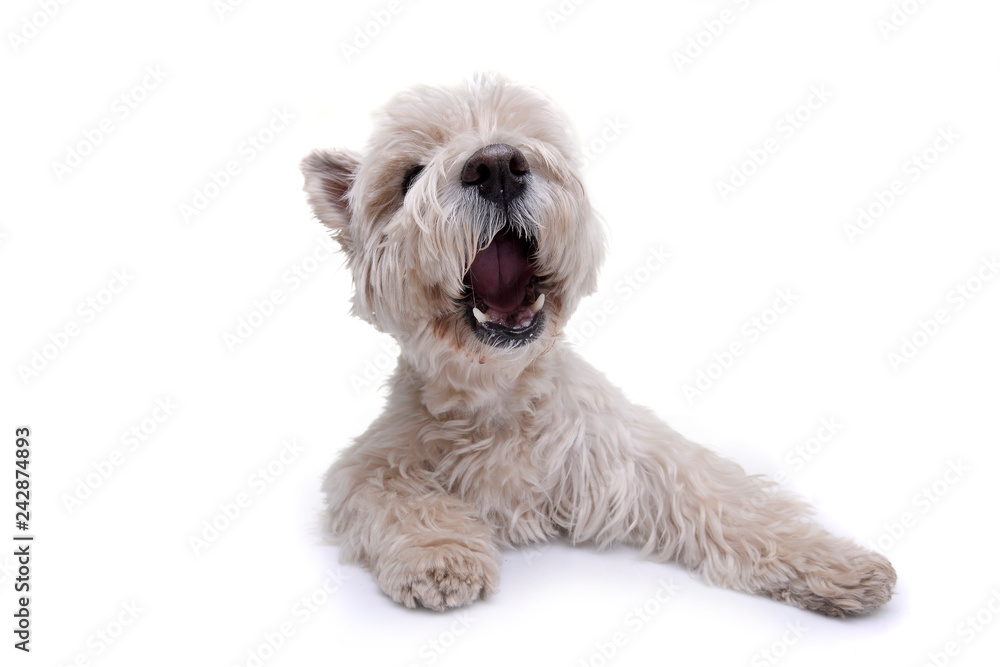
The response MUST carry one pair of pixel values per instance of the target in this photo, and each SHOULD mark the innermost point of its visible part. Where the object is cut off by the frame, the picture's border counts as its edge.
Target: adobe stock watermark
(634, 621)
(217, 180)
(292, 279)
(779, 648)
(432, 650)
(922, 502)
(377, 368)
(899, 15)
(31, 25)
(106, 636)
(911, 171)
(121, 108)
(379, 20)
(131, 440)
(591, 319)
(751, 331)
(302, 611)
(801, 454)
(966, 631)
(529, 554)
(786, 127)
(706, 35)
(87, 311)
(223, 8)
(957, 298)
(559, 13)
(794, 461)
(610, 133)
(229, 511)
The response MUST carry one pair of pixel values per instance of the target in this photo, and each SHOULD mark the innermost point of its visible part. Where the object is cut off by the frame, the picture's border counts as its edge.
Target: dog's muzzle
(502, 304)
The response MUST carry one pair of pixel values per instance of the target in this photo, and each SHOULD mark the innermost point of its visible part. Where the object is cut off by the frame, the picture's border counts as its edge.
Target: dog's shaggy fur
(467, 207)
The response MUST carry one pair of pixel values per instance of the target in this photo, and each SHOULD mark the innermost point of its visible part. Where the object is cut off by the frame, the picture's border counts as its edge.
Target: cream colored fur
(481, 448)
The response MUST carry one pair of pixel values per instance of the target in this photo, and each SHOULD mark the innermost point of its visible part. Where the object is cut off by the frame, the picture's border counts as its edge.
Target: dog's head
(465, 222)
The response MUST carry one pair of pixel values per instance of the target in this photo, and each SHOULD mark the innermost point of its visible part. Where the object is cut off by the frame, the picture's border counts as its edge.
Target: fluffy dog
(471, 241)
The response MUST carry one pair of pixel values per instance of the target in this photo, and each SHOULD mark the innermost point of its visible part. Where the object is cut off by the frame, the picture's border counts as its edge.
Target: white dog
(470, 240)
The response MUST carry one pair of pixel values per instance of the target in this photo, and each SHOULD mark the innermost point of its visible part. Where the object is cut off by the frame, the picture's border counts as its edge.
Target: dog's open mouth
(503, 306)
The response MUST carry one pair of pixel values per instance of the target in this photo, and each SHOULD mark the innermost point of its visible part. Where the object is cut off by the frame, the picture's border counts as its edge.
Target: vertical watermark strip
(23, 540)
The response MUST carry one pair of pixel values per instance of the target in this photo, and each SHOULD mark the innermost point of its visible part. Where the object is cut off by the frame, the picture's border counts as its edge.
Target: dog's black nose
(498, 170)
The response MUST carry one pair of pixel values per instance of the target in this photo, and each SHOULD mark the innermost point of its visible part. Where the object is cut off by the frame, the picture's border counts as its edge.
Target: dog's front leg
(635, 480)
(387, 513)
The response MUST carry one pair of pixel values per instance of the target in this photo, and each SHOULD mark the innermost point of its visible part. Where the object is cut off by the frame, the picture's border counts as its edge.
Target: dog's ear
(329, 176)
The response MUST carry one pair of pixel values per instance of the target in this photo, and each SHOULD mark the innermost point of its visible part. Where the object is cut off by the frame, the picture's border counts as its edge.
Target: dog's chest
(507, 470)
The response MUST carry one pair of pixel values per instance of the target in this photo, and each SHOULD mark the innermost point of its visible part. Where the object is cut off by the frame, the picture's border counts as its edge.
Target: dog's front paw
(439, 577)
(856, 586)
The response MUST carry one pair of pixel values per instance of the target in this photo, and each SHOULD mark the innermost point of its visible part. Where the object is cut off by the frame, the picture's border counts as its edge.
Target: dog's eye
(410, 176)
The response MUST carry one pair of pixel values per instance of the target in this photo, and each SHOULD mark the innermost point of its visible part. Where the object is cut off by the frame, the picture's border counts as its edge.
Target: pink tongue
(500, 273)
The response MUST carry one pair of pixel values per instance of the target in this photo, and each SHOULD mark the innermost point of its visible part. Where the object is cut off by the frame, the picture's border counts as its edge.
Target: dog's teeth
(480, 315)
(539, 302)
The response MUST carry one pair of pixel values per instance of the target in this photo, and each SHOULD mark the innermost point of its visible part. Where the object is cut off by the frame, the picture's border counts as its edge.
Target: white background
(675, 130)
